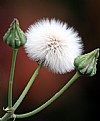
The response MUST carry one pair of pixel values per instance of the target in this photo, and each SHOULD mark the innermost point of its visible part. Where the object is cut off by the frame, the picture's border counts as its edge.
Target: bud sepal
(86, 64)
(15, 37)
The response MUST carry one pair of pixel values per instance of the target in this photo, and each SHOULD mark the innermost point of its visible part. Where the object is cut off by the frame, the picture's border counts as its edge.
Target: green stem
(5, 117)
(18, 102)
(10, 88)
(50, 100)
(11, 78)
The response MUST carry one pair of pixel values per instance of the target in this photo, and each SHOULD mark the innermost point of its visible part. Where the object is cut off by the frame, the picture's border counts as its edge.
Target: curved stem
(18, 102)
(50, 100)
(11, 78)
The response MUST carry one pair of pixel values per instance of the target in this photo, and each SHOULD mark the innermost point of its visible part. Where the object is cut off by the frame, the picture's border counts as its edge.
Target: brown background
(81, 101)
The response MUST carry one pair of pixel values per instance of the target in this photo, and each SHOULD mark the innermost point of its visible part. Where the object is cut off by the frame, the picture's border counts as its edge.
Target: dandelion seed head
(54, 44)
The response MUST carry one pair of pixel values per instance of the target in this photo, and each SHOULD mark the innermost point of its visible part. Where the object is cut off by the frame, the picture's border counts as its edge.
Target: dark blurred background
(81, 101)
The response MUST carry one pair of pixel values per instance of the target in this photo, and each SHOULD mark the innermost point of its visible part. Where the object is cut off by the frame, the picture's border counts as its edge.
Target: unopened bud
(86, 64)
(15, 37)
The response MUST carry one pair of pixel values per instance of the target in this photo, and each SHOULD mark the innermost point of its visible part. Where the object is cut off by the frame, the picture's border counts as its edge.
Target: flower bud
(86, 64)
(15, 37)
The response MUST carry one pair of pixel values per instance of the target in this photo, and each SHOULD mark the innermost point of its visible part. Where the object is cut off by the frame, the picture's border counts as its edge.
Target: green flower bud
(15, 37)
(86, 64)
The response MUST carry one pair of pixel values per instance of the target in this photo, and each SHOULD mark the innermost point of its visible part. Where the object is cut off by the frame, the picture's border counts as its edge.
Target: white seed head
(55, 45)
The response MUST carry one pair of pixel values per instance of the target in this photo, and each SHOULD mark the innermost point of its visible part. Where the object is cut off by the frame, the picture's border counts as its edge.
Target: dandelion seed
(55, 45)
